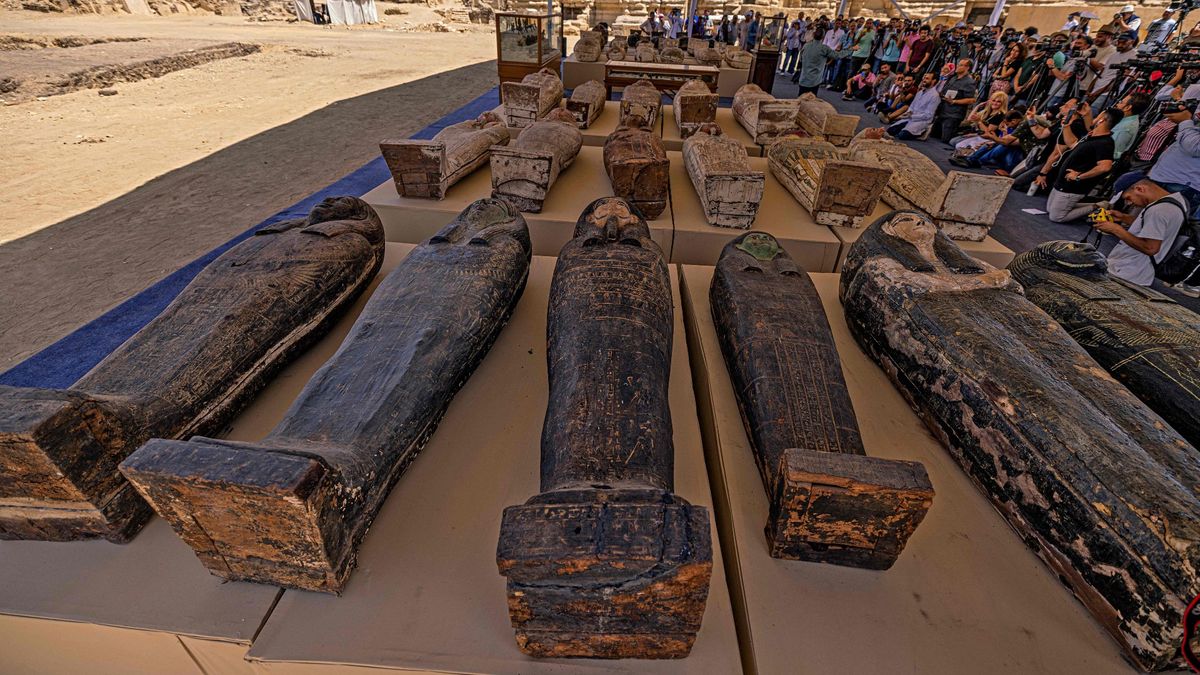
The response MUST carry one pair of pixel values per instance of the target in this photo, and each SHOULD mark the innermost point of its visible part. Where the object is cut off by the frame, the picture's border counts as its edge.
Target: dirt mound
(25, 42)
(98, 77)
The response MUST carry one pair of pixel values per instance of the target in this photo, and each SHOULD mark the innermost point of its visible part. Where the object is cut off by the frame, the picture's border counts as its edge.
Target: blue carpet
(62, 363)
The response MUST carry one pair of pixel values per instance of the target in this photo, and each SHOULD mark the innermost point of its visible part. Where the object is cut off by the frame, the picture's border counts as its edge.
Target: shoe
(884, 118)
(1190, 291)
(960, 161)
(846, 97)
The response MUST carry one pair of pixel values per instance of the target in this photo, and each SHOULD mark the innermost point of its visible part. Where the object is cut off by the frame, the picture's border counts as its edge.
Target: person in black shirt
(1082, 168)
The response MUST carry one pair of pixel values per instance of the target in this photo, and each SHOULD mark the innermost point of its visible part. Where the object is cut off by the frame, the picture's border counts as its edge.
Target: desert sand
(107, 194)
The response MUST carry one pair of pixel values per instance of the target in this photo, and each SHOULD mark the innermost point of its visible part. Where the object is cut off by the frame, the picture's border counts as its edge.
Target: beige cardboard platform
(575, 72)
(412, 221)
(813, 246)
(730, 80)
(725, 120)
(966, 595)
(989, 250)
(427, 595)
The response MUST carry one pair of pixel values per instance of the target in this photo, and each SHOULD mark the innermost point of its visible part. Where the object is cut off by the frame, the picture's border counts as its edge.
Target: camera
(1185, 5)
(1173, 106)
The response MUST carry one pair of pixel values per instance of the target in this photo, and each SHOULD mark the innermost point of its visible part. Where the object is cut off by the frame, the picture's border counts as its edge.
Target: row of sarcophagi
(590, 48)
(811, 150)
(1065, 394)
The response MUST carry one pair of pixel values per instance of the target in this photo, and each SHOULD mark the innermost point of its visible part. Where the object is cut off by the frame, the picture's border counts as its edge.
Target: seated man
(883, 84)
(918, 115)
(1150, 235)
(1082, 168)
(897, 99)
(1178, 167)
(861, 85)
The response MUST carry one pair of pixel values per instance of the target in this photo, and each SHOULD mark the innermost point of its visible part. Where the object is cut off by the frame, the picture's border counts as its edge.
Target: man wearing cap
(1159, 32)
(1127, 20)
(1108, 75)
(1150, 235)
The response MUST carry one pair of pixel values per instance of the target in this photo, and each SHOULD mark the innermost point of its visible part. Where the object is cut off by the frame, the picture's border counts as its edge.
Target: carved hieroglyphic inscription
(531, 98)
(587, 49)
(1147, 341)
(1101, 488)
(963, 205)
(695, 104)
(524, 171)
(762, 115)
(186, 372)
(641, 104)
(426, 169)
(607, 562)
(829, 502)
(826, 180)
(587, 102)
(730, 191)
(638, 169)
(291, 510)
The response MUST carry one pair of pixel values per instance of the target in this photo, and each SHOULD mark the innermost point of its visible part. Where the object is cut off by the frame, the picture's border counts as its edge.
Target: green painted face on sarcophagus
(761, 246)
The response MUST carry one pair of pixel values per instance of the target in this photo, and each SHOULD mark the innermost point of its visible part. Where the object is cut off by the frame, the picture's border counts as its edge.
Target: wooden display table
(725, 120)
(427, 596)
(412, 221)
(696, 242)
(666, 77)
(966, 595)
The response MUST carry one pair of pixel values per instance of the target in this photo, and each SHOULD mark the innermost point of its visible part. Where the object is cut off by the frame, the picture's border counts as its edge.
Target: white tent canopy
(341, 12)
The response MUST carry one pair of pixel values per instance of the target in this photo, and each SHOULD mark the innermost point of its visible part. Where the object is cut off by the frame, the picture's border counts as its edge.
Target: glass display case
(771, 33)
(766, 51)
(527, 42)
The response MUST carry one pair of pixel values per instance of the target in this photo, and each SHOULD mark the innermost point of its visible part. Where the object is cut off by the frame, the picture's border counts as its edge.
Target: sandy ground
(107, 194)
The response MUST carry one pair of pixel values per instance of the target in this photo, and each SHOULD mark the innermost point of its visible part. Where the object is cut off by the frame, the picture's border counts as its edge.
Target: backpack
(1183, 255)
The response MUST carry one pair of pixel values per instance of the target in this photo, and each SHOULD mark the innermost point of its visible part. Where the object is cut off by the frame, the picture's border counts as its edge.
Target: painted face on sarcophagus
(758, 252)
(1067, 256)
(611, 219)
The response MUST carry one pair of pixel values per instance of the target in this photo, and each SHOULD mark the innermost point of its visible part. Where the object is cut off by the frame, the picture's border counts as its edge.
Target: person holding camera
(1145, 239)
(1174, 88)
(1108, 77)
(1126, 20)
(1069, 75)
(1159, 32)
(1082, 168)
(1178, 167)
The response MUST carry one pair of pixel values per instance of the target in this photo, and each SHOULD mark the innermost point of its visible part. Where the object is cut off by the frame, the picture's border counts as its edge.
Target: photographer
(1150, 235)
(1175, 89)
(1109, 73)
(1069, 75)
(1082, 168)
(1126, 20)
(1159, 33)
(1178, 167)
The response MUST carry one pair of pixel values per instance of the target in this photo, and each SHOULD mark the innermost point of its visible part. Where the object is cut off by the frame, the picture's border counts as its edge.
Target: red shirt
(920, 49)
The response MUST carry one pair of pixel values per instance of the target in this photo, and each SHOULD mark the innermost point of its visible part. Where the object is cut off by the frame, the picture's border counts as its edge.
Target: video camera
(1185, 5)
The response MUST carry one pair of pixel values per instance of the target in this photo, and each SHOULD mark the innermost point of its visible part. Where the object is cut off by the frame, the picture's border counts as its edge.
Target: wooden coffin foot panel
(187, 371)
(426, 169)
(729, 190)
(826, 180)
(606, 562)
(530, 99)
(1093, 480)
(524, 172)
(1144, 339)
(638, 169)
(818, 118)
(694, 105)
(641, 105)
(829, 502)
(293, 509)
(587, 102)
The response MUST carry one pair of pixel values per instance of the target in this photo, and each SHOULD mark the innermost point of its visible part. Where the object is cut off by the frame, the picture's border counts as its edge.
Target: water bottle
(1032, 191)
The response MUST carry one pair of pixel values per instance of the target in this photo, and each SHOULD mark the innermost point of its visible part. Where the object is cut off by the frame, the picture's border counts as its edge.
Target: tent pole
(994, 19)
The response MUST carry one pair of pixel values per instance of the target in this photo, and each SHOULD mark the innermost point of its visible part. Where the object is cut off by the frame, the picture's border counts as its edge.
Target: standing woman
(1003, 78)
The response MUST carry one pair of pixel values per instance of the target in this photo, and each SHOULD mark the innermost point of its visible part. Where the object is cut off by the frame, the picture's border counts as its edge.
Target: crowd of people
(1109, 140)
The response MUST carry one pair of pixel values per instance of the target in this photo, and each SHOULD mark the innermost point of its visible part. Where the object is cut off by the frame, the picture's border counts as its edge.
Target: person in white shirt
(1106, 80)
(920, 114)
(744, 31)
(1072, 22)
(674, 24)
(791, 45)
(1127, 20)
(1173, 89)
(651, 25)
(1159, 32)
(1150, 235)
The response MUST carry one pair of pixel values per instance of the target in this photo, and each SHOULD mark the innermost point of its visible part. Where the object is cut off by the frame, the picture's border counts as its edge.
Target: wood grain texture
(292, 509)
(587, 102)
(607, 562)
(1093, 480)
(763, 116)
(524, 171)
(645, 52)
(426, 169)
(829, 502)
(963, 205)
(530, 99)
(186, 372)
(641, 105)
(730, 191)
(638, 169)
(695, 104)
(588, 47)
(819, 119)
(737, 58)
(1146, 340)
(836, 189)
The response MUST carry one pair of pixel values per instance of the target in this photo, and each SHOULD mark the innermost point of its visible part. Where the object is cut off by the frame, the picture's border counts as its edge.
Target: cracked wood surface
(1095, 482)
(829, 501)
(186, 372)
(729, 190)
(426, 169)
(638, 169)
(762, 115)
(587, 102)
(836, 189)
(607, 562)
(695, 104)
(531, 99)
(524, 171)
(292, 509)
(641, 105)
